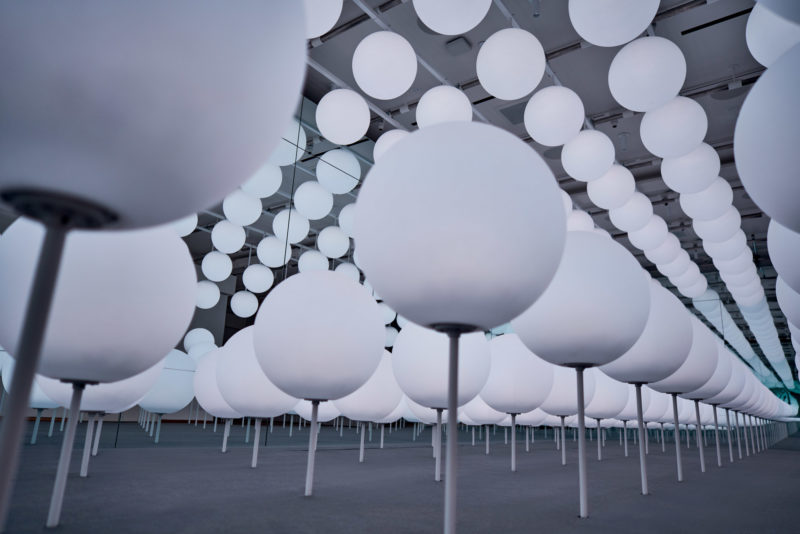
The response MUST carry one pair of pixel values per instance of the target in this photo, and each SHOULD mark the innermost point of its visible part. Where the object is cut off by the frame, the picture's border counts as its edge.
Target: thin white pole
(52, 423)
(513, 443)
(87, 445)
(36, 426)
(642, 440)
(437, 450)
(716, 436)
(487, 440)
(381, 435)
(728, 426)
(158, 429)
(625, 431)
(97, 431)
(677, 436)
(225, 435)
(563, 442)
(256, 439)
(584, 492)
(698, 431)
(599, 450)
(451, 467)
(57, 498)
(312, 446)
(361, 447)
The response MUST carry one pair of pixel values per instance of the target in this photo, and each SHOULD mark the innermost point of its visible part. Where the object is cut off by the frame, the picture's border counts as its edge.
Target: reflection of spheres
(265, 182)
(274, 252)
(291, 146)
(241, 208)
(312, 200)
(385, 142)
(227, 237)
(332, 242)
(710, 203)
(321, 16)
(312, 260)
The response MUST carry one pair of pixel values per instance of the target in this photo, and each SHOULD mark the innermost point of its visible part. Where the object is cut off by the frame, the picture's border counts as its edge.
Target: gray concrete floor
(185, 484)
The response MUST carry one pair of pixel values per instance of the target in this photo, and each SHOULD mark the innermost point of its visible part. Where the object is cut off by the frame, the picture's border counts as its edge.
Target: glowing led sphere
(196, 336)
(312, 260)
(244, 304)
(728, 248)
(789, 301)
(770, 35)
(666, 252)
(510, 64)
(721, 228)
(186, 225)
(338, 171)
(611, 22)
(518, 381)
(207, 295)
(342, 116)
(652, 234)
(216, 266)
(384, 65)
(710, 203)
(675, 266)
(349, 270)
(451, 17)
(376, 398)
(265, 182)
(257, 278)
(395, 225)
(241, 208)
(274, 252)
(312, 201)
(554, 115)
(391, 336)
(674, 129)
(588, 155)
(647, 73)
(289, 225)
(321, 15)
(291, 146)
(698, 366)
(691, 172)
(563, 397)
(332, 242)
(386, 141)
(784, 251)
(443, 103)
(579, 220)
(206, 389)
(174, 387)
(612, 189)
(633, 215)
(346, 219)
(227, 237)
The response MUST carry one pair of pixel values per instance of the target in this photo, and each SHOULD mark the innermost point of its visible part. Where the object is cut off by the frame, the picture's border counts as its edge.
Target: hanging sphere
(633, 215)
(784, 251)
(674, 129)
(588, 155)
(647, 73)
(579, 220)
(186, 225)
(710, 203)
(289, 225)
(196, 336)
(736, 264)
(451, 17)
(151, 132)
(312, 200)
(273, 252)
(420, 362)
(312, 260)
(227, 237)
(554, 115)
(611, 22)
(321, 16)
(450, 162)
(241, 208)
(216, 266)
(207, 295)
(510, 63)
(385, 142)
(689, 276)
(578, 295)
(332, 242)
(257, 278)
(244, 304)
(265, 182)
(566, 201)
(174, 387)
(443, 103)
(349, 270)
(789, 301)
(727, 249)
(387, 313)
(291, 146)
(206, 389)
(666, 252)
(199, 350)
(677, 265)
(764, 142)
(342, 116)
(132, 290)
(338, 171)
(769, 35)
(376, 398)
(652, 234)
(695, 289)
(346, 219)
(346, 342)
(613, 189)
(384, 65)
(691, 172)
(720, 228)
(391, 336)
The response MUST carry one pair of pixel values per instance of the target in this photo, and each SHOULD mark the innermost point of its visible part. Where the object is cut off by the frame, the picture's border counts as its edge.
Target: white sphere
(574, 321)
(710, 203)
(349, 270)
(338, 171)
(291, 147)
(332, 242)
(326, 411)
(764, 142)
(420, 361)
(610, 396)
(674, 129)
(647, 73)
(131, 290)
(727, 249)
(274, 252)
(199, 350)
(554, 115)
(443, 103)
(510, 63)
(698, 366)
(244, 304)
(612, 189)
(391, 336)
(38, 398)
(386, 141)
(770, 35)
(579, 220)
(689, 276)
(663, 346)
(174, 387)
(384, 65)
(563, 397)
(736, 264)
(227, 237)
(206, 389)
(186, 225)
(321, 15)
(718, 380)
(451, 17)
(481, 413)
(376, 398)
(312, 260)
(784, 251)
(519, 381)
(346, 219)
(319, 335)
(312, 200)
(265, 182)
(788, 300)
(652, 234)
(243, 384)
(241, 208)
(742, 277)
(566, 201)
(691, 172)
(720, 228)
(207, 295)
(387, 313)
(611, 22)
(257, 278)
(289, 225)
(216, 266)
(632, 215)
(588, 155)
(677, 265)
(395, 225)
(666, 252)
(151, 132)
(694, 289)
(342, 116)
(195, 336)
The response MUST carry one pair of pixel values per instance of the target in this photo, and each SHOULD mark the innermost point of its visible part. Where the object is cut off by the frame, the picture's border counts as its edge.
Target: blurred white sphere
(312, 260)
(554, 115)
(769, 35)
(244, 304)
(694, 289)
(332, 242)
(443, 103)
(349, 270)
(784, 251)
(647, 73)
(674, 129)
(312, 200)
(257, 278)
(652, 234)
(241, 208)
(338, 171)
(676, 265)
(579, 220)
(174, 387)
(265, 182)
(186, 225)
(666, 252)
(720, 228)
(274, 252)
(385, 142)
(387, 313)
(207, 295)
(789, 301)
(611, 22)
(196, 336)
(632, 215)
(290, 225)
(376, 398)
(451, 17)
(566, 200)
(728, 248)
(227, 237)
(291, 147)
(342, 116)
(346, 219)
(206, 389)
(321, 16)
(199, 350)
(588, 155)
(698, 366)
(691, 172)
(384, 65)
(510, 63)
(391, 336)
(519, 380)
(216, 266)
(612, 189)
(710, 203)
(736, 264)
